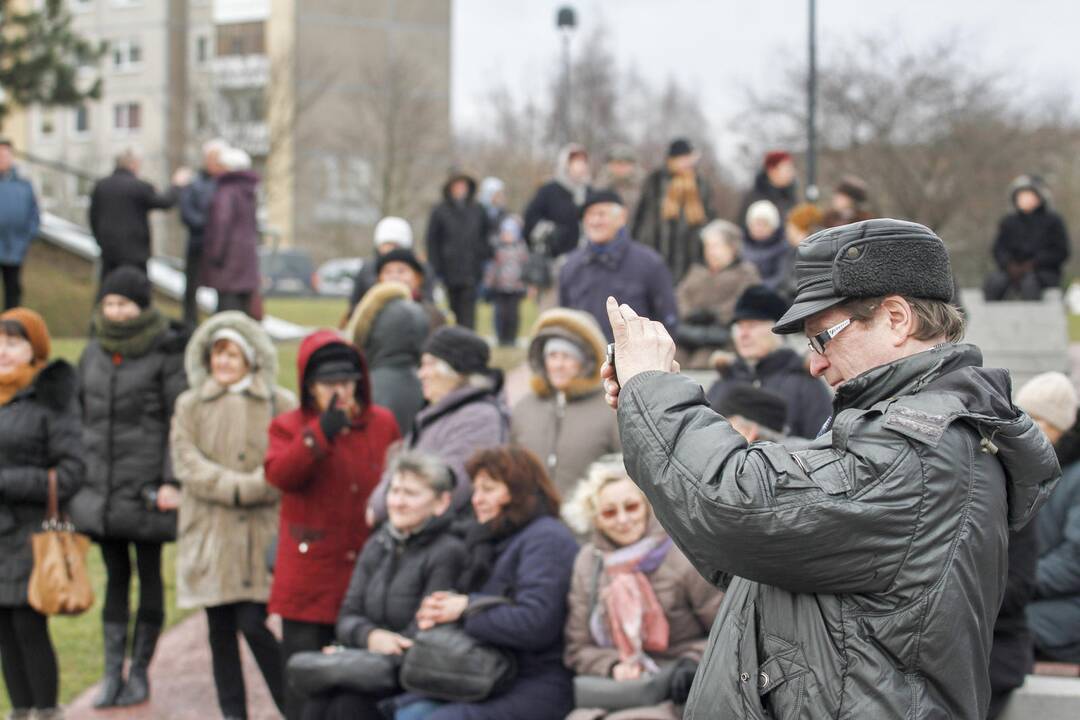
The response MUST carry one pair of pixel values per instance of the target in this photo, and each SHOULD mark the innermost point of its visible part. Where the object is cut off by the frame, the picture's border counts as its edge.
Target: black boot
(115, 647)
(137, 688)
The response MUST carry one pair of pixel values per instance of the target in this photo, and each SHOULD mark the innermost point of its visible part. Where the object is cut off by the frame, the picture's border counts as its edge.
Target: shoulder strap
(52, 512)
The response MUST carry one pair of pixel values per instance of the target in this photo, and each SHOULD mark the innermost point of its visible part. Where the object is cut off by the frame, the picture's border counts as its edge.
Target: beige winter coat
(228, 514)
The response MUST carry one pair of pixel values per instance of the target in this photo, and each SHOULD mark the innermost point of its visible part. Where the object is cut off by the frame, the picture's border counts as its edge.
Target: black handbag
(446, 663)
(353, 669)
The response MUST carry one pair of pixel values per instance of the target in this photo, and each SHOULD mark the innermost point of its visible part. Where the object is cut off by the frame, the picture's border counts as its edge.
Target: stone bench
(1044, 697)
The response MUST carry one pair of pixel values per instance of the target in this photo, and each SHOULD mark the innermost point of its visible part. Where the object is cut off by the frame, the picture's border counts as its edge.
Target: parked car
(287, 271)
(335, 277)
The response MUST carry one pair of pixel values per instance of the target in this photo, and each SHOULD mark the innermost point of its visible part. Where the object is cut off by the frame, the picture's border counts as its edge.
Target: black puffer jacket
(127, 407)
(39, 429)
(457, 238)
(868, 568)
(782, 372)
(393, 574)
(1039, 236)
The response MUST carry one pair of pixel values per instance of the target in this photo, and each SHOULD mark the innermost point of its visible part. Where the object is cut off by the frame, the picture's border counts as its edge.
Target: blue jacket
(1054, 616)
(533, 566)
(19, 219)
(634, 274)
(195, 206)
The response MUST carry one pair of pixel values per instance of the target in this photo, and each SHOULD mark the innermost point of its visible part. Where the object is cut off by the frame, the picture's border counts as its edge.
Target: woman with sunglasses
(638, 609)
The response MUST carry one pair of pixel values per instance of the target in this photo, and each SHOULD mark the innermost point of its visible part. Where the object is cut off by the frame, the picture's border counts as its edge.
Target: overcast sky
(719, 46)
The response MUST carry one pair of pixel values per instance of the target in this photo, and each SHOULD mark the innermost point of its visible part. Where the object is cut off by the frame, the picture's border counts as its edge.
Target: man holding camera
(869, 566)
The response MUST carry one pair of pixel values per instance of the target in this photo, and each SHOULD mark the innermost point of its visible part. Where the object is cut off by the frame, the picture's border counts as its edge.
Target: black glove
(333, 420)
(682, 677)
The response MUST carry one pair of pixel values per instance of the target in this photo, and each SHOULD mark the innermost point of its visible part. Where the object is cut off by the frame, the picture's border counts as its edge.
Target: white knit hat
(763, 210)
(394, 230)
(1050, 397)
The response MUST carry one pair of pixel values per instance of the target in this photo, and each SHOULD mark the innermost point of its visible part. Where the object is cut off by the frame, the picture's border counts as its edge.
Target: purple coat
(230, 260)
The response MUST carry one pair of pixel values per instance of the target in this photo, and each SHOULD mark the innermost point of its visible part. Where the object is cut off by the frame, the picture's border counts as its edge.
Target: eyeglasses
(818, 342)
(631, 507)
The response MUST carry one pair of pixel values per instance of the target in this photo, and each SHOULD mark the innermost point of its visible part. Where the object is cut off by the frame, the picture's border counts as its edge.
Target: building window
(127, 117)
(47, 126)
(202, 118)
(202, 49)
(126, 55)
(82, 120)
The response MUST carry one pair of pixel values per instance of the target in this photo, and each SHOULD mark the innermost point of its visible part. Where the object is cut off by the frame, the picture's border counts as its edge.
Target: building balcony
(241, 71)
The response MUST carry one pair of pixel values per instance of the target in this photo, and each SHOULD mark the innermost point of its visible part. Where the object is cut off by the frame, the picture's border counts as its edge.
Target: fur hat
(129, 282)
(462, 349)
(854, 187)
(756, 405)
(1050, 397)
(758, 302)
(867, 259)
(37, 332)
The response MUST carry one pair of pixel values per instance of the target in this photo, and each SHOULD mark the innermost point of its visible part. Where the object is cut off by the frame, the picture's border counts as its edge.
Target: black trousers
(248, 618)
(12, 285)
(191, 282)
(998, 286)
(343, 706)
(234, 301)
(297, 637)
(507, 317)
(28, 658)
(117, 557)
(463, 304)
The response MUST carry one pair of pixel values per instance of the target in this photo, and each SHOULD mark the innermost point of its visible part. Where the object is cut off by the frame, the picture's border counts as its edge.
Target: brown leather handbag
(59, 583)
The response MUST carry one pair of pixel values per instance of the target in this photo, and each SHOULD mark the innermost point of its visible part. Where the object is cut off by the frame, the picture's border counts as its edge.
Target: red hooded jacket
(325, 488)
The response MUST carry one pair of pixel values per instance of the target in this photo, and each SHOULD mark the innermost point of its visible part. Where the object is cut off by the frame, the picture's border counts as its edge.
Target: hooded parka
(325, 488)
(568, 430)
(228, 512)
(869, 567)
(127, 405)
(457, 237)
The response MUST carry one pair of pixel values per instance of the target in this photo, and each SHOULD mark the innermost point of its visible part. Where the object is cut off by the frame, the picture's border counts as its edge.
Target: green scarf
(131, 338)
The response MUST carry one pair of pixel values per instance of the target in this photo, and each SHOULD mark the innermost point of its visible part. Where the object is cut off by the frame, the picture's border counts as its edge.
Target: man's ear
(901, 318)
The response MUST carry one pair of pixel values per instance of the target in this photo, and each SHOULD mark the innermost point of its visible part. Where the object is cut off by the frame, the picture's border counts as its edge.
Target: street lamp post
(811, 108)
(565, 22)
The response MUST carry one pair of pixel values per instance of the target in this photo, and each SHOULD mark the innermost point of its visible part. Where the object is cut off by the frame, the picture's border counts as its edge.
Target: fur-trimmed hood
(389, 326)
(1033, 183)
(579, 328)
(55, 386)
(197, 355)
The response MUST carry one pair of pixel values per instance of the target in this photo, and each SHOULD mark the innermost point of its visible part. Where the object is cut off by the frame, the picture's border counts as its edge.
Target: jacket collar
(212, 390)
(612, 255)
(905, 376)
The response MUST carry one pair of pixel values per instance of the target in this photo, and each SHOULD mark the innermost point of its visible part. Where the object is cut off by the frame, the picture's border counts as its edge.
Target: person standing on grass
(326, 457)
(130, 374)
(39, 433)
(230, 261)
(228, 512)
(457, 245)
(19, 222)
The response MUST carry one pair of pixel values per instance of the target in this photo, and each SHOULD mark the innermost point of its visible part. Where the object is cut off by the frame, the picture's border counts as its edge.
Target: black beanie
(401, 255)
(334, 361)
(679, 147)
(595, 197)
(756, 405)
(130, 282)
(759, 303)
(462, 349)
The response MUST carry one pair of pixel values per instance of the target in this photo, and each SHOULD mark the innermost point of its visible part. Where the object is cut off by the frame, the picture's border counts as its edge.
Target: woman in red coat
(326, 457)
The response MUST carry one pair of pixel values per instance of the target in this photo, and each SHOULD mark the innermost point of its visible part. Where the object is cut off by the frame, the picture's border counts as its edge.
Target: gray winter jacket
(869, 567)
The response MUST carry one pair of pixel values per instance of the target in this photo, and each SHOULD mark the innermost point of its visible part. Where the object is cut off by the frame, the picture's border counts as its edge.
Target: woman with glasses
(638, 609)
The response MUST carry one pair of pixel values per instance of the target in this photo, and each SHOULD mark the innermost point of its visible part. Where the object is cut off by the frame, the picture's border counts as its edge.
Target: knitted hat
(596, 197)
(775, 157)
(236, 338)
(510, 225)
(34, 327)
(763, 210)
(129, 282)
(806, 216)
(335, 361)
(1050, 397)
(756, 405)
(401, 255)
(461, 348)
(854, 187)
(759, 303)
(393, 230)
(679, 147)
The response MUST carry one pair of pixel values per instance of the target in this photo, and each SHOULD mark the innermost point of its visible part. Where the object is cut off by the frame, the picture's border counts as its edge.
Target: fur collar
(579, 328)
(368, 309)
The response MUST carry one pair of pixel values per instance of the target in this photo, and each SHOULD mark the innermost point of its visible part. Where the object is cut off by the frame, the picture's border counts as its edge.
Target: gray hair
(433, 471)
(729, 232)
(126, 158)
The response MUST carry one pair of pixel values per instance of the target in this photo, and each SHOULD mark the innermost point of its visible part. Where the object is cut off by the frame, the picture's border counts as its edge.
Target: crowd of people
(397, 491)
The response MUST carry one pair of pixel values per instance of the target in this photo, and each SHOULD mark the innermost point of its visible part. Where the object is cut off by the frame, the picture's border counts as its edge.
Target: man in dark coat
(230, 261)
(868, 566)
(1031, 247)
(612, 263)
(774, 182)
(457, 245)
(119, 209)
(195, 213)
(763, 362)
(19, 222)
(675, 205)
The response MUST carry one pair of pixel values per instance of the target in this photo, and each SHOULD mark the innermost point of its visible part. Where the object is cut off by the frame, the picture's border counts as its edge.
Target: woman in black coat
(39, 432)
(411, 556)
(131, 373)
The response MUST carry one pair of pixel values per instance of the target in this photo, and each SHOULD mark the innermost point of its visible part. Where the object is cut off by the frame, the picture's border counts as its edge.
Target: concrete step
(1044, 698)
